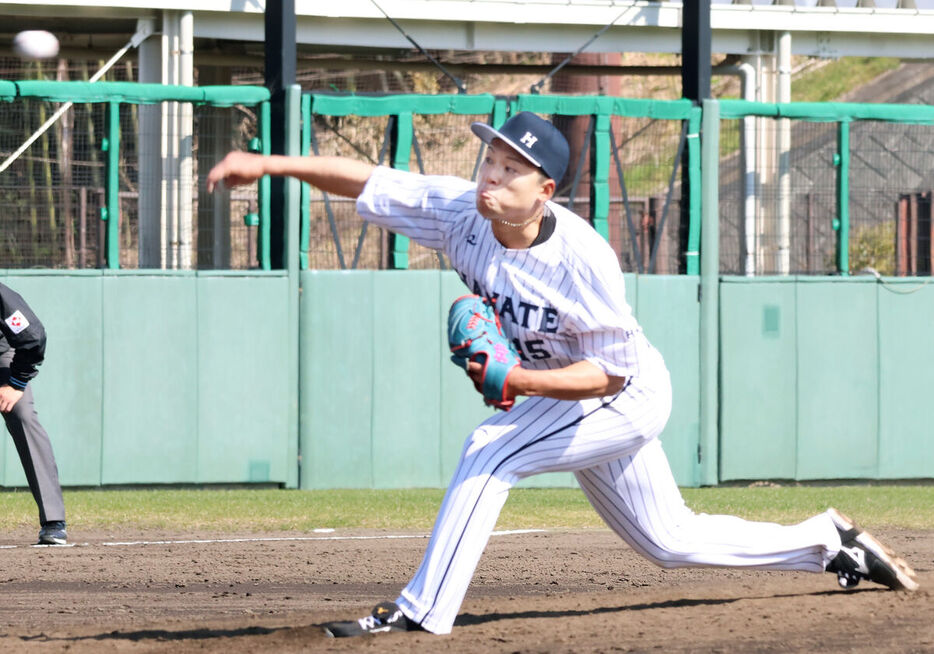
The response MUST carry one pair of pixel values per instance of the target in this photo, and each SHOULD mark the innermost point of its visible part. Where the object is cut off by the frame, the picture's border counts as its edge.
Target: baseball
(35, 44)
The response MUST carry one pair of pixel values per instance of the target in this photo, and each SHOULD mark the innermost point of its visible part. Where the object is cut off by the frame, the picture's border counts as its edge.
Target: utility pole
(695, 86)
(280, 53)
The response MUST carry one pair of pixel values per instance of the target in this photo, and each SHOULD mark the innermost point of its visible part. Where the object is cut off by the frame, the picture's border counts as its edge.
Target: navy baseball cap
(534, 138)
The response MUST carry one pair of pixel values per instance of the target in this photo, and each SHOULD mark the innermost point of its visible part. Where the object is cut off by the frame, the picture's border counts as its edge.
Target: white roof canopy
(897, 29)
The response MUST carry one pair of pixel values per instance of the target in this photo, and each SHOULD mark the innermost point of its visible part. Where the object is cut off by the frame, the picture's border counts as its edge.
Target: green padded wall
(406, 392)
(382, 405)
(151, 377)
(336, 380)
(155, 378)
(838, 379)
(243, 387)
(68, 389)
(906, 380)
(826, 378)
(668, 310)
(758, 373)
(150, 380)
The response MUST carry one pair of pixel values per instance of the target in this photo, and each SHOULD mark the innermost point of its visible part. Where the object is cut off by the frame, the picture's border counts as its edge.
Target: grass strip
(272, 510)
(832, 81)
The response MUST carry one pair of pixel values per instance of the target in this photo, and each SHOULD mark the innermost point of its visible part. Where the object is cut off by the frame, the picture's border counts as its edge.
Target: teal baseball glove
(475, 334)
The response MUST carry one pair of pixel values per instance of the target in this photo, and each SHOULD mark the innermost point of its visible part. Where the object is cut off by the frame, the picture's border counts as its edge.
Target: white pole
(150, 160)
(784, 155)
(165, 222)
(185, 136)
(748, 76)
(171, 116)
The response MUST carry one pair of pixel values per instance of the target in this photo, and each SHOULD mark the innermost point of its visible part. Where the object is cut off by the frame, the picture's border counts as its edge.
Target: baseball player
(22, 349)
(598, 393)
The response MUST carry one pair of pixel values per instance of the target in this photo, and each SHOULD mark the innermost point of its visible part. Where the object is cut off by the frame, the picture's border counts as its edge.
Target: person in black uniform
(22, 349)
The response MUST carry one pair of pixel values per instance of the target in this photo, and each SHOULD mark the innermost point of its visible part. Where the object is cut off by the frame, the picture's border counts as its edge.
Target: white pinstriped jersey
(560, 301)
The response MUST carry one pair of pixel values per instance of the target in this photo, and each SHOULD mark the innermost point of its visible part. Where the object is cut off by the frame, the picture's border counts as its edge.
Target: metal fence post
(293, 199)
(305, 206)
(842, 222)
(401, 152)
(500, 110)
(111, 211)
(600, 175)
(709, 382)
(694, 172)
(264, 191)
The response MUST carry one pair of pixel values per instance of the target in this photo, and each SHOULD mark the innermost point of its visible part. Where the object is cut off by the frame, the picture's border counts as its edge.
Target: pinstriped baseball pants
(612, 447)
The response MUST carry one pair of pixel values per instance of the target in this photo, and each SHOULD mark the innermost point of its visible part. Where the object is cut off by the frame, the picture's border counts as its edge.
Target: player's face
(508, 186)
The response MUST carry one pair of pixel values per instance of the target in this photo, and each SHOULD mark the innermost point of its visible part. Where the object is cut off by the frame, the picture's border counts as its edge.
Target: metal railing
(625, 156)
(832, 202)
(132, 152)
(804, 188)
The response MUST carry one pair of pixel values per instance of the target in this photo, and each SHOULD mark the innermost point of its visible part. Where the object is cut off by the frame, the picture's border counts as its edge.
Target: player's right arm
(337, 175)
(418, 206)
(26, 335)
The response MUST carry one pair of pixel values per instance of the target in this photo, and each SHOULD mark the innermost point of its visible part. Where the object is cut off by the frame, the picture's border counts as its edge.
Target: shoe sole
(342, 634)
(903, 572)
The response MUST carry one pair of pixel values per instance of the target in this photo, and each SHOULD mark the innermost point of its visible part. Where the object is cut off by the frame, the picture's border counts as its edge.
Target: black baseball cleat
(386, 616)
(862, 556)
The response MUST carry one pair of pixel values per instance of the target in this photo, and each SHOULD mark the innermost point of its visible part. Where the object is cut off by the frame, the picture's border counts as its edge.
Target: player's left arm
(578, 381)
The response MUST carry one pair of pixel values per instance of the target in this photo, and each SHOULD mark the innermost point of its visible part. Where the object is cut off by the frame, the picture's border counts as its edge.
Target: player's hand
(513, 383)
(236, 169)
(9, 396)
(475, 372)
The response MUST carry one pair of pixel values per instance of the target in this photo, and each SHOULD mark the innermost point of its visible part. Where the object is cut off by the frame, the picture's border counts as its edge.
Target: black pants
(35, 450)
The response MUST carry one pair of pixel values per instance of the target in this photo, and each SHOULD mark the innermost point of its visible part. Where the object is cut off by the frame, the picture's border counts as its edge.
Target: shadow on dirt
(163, 635)
(466, 619)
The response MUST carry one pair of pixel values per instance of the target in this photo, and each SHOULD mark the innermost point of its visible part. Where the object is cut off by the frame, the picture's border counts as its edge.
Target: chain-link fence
(442, 144)
(52, 194)
(891, 179)
(57, 189)
(642, 154)
(647, 227)
(803, 189)
(793, 191)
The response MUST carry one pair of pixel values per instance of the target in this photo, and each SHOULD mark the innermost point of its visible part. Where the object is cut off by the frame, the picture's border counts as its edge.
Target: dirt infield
(552, 591)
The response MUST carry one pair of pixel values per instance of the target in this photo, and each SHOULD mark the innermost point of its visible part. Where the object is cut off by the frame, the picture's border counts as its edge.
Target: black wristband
(18, 384)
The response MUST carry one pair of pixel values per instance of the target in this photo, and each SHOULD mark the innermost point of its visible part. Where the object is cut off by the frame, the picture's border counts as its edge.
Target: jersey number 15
(532, 350)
